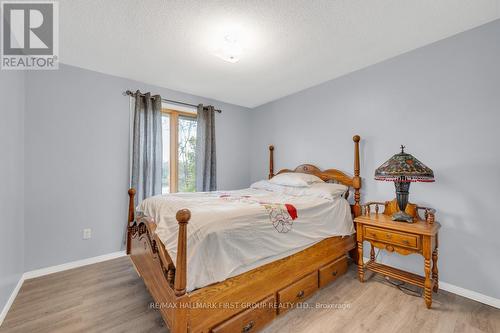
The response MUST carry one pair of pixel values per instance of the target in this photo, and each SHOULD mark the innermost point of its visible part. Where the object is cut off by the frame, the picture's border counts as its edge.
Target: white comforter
(233, 232)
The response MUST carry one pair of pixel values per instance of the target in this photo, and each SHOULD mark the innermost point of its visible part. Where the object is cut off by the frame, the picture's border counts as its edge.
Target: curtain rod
(130, 93)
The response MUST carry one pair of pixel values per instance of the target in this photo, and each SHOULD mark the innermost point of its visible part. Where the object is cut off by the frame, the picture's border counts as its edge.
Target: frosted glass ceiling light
(229, 49)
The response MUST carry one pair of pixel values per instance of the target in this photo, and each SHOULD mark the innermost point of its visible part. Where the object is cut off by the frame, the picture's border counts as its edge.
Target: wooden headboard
(329, 174)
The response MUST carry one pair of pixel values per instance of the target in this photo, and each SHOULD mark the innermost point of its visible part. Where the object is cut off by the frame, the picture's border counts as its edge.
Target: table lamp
(402, 169)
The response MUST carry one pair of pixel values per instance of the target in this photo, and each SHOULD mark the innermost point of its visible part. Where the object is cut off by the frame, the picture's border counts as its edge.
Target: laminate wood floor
(110, 297)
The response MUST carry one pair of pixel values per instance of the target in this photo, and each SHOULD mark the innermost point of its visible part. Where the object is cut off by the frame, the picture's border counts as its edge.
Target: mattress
(232, 232)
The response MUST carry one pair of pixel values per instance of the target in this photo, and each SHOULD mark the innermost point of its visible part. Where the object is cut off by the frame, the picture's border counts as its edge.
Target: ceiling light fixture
(229, 49)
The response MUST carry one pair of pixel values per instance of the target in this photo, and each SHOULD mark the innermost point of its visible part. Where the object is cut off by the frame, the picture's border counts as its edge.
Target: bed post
(356, 184)
(271, 161)
(131, 216)
(182, 217)
(356, 179)
(180, 321)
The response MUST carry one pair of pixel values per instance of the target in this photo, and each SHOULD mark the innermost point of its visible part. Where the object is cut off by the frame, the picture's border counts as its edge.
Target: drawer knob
(248, 327)
(300, 294)
(406, 242)
(334, 273)
(388, 235)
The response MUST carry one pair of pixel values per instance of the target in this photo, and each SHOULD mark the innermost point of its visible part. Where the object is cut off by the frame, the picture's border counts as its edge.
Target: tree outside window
(179, 144)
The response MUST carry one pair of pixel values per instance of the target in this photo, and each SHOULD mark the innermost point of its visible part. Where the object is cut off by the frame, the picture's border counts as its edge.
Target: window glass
(186, 154)
(165, 174)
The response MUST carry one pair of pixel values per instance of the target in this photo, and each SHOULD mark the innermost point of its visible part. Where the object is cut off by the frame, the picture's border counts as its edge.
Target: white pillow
(295, 179)
(323, 190)
(280, 189)
(268, 186)
(326, 190)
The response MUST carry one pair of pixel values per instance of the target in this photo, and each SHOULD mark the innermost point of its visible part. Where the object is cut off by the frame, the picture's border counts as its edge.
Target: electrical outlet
(87, 234)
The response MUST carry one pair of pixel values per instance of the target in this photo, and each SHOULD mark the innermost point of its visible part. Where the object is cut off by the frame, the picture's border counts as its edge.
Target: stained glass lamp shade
(402, 169)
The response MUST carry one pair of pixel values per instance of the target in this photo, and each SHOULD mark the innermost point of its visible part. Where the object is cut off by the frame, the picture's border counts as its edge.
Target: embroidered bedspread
(233, 232)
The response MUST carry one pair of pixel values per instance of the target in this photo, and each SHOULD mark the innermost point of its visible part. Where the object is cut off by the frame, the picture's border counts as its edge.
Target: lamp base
(402, 217)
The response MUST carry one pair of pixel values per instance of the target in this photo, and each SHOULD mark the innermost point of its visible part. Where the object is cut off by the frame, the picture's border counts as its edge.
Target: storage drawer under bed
(250, 320)
(330, 272)
(297, 291)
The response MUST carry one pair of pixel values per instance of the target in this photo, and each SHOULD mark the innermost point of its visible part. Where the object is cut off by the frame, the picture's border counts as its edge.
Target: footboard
(165, 281)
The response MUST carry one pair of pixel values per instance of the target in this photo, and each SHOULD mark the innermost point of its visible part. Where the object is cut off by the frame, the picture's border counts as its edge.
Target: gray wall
(12, 181)
(443, 102)
(77, 141)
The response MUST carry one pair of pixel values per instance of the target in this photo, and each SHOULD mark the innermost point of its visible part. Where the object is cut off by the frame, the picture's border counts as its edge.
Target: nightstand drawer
(392, 237)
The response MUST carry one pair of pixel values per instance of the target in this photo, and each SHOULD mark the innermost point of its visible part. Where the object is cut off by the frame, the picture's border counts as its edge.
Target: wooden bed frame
(244, 303)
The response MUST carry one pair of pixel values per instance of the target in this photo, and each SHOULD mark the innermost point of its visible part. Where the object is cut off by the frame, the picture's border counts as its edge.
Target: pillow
(295, 179)
(326, 190)
(268, 186)
(323, 190)
(279, 189)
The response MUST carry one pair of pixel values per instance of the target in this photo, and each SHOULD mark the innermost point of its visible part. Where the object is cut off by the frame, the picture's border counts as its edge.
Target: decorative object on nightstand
(402, 169)
(384, 233)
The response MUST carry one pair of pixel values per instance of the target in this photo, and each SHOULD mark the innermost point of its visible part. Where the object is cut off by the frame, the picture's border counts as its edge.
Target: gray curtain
(206, 171)
(146, 146)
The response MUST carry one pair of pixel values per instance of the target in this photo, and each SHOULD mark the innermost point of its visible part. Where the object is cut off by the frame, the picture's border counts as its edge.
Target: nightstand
(404, 238)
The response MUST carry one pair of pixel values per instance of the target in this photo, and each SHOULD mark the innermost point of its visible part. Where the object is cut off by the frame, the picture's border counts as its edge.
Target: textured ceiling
(289, 45)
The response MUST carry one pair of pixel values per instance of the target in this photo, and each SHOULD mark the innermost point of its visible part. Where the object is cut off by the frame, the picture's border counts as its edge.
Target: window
(179, 142)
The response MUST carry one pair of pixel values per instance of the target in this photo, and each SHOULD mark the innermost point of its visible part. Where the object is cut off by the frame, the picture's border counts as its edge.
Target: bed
(242, 257)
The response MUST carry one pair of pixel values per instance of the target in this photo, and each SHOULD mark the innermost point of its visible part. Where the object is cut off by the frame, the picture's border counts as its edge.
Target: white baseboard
(470, 294)
(11, 299)
(74, 264)
(54, 269)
